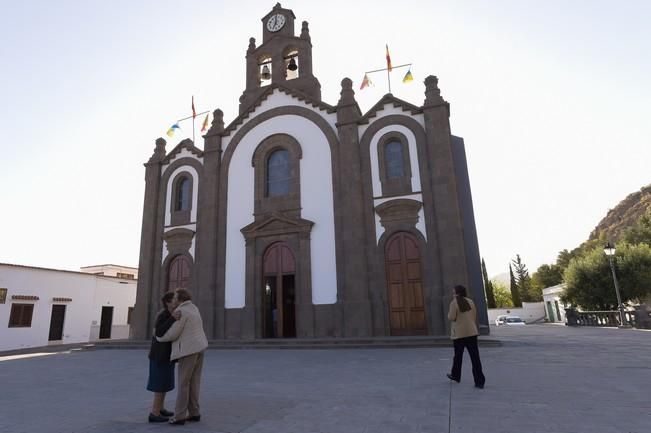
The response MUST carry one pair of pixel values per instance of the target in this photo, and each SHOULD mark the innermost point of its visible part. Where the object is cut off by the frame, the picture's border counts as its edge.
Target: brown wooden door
(56, 322)
(278, 306)
(179, 273)
(404, 285)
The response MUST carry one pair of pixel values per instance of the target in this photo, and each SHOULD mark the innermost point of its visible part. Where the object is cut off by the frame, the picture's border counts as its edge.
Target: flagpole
(389, 78)
(193, 130)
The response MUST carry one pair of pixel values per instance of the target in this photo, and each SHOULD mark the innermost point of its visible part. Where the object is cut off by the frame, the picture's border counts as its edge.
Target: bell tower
(282, 58)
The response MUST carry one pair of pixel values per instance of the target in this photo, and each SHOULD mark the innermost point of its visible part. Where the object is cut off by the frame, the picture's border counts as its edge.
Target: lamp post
(609, 249)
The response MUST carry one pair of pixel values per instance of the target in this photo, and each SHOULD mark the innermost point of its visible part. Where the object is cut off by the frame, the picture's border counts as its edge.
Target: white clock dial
(276, 22)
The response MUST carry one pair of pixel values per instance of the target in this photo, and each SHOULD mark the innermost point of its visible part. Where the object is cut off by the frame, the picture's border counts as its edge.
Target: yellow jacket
(463, 324)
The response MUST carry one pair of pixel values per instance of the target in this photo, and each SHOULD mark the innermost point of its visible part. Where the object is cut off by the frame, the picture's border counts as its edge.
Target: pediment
(268, 93)
(389, 99)
(186, 144)
(276, 223)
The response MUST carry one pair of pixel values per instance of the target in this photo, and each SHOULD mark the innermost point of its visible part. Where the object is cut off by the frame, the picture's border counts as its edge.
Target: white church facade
(305, 219)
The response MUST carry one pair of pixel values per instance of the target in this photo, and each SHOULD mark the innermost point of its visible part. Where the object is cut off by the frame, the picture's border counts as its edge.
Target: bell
(265, 74)
(292, 65)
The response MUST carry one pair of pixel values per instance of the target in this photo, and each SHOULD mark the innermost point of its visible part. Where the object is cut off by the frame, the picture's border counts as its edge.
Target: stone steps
(309, 343)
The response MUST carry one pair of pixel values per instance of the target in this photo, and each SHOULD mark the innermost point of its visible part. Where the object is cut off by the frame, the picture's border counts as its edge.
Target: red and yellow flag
(204, 127)
(194, 113)
(389, 67)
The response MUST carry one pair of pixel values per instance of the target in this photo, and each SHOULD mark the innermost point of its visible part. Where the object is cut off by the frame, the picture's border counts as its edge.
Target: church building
(306, 219)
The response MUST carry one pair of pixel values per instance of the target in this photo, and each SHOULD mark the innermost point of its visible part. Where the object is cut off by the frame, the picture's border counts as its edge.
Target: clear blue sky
(552, 97)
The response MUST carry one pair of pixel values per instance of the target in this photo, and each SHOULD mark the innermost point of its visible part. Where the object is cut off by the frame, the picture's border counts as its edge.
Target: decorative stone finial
(432, 91)
(305, 31)
(251, 45)
(278, 6)
(159, 150)
(347, 92)
(217, 125)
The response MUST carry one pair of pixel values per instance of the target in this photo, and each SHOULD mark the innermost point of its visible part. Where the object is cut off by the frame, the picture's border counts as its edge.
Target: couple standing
(178, 338)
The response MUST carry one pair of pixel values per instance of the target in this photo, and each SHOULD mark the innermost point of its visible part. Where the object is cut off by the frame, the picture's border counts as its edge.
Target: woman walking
(463, 315)
(161, 369)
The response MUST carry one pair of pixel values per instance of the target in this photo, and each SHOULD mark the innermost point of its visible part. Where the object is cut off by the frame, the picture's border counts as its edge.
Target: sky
(552, 98)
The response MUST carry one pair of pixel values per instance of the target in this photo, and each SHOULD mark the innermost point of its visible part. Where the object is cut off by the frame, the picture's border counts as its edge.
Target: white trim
(413, 158)
(195, 194)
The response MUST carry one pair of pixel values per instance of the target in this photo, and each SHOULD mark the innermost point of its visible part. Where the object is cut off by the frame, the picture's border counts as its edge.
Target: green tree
(502, 295)
(488, 285)
(590, 282)
(515, 294)
(547, 276)
(640, 233)
(527, 292)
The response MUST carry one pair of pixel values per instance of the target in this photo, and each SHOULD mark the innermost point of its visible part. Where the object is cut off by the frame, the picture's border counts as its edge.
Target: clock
(276, 22)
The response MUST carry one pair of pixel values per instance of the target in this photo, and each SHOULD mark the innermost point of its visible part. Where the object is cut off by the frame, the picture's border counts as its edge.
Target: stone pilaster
(143, 312)
(447, 217)
(357, 319)
(209, 300)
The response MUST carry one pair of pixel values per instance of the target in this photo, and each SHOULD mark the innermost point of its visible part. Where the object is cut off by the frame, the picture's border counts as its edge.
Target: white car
(509, 321)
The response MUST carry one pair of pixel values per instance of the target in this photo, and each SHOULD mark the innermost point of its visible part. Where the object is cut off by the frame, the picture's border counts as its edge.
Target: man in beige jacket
(188, 344)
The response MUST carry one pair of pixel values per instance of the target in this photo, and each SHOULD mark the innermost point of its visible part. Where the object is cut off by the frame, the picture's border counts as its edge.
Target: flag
(366, 82)
(389, 67)
(194, 113)
(408, 77)
(204, 127)
(170, 132)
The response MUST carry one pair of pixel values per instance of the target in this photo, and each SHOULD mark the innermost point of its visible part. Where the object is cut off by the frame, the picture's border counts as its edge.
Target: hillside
(624, 215)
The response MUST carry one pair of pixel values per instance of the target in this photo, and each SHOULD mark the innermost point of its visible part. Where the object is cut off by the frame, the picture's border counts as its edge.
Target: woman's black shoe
(452, 378)
(166, 412)
(480, 386)
(193, 418)
(157, 418)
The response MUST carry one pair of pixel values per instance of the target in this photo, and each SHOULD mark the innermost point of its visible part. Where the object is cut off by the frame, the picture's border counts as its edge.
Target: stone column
(355, 299)
(143, 314)
(208, 300)
(447, 216)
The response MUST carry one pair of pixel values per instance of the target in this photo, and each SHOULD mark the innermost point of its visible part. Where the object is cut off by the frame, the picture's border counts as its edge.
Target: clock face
(276, 22)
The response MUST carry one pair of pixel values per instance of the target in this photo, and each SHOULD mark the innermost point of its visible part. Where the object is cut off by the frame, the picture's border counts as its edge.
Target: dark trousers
(469, 343)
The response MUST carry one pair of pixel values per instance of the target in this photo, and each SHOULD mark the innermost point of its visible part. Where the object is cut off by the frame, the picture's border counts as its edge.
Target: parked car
(509, 320)
(514, 321)
(501, 320)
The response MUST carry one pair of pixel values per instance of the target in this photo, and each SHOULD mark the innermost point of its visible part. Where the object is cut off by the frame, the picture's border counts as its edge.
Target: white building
(554, 307)
(40, 306)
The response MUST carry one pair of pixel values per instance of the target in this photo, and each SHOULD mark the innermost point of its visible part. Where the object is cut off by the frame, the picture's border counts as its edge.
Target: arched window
(183, 191)
(394, 160)
(291, 65)
(278, 173)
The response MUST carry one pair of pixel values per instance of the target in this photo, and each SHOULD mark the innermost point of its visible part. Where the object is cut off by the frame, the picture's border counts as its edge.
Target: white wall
(88, 293)
(529, 312)
(316, 202)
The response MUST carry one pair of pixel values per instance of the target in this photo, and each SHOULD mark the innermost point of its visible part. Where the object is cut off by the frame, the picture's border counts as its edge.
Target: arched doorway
(178, 275)
(278, 292)
(404, 285)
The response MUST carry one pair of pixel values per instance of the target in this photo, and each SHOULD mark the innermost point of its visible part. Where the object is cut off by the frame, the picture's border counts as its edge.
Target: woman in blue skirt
(161, 369)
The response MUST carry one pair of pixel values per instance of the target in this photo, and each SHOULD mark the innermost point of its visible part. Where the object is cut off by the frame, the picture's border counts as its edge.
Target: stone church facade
(305, 219)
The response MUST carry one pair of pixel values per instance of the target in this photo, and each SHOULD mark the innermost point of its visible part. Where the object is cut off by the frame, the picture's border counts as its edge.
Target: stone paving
(545, 378)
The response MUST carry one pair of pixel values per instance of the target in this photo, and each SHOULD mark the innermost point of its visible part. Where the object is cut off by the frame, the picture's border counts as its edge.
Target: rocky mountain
(624, 215)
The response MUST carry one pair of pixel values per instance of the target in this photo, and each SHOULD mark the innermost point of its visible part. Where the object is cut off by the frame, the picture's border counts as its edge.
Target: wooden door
(179, 273)
(404, 285)
(106, 322)
(56, 322)
(278, 306)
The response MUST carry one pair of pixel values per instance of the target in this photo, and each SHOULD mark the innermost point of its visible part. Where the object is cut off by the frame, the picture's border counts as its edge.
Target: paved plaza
(545, 378)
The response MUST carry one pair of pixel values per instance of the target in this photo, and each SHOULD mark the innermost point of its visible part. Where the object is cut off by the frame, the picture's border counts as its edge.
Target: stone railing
(598, 318)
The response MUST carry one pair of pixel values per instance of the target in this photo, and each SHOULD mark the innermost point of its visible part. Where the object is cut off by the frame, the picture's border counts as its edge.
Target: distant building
(41, 306)
(554, 306)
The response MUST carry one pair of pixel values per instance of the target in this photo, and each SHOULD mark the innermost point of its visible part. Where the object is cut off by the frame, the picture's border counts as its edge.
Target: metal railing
(598, 318)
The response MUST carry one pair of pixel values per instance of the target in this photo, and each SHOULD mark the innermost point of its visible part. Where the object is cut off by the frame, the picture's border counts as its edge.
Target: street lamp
(609, 249)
